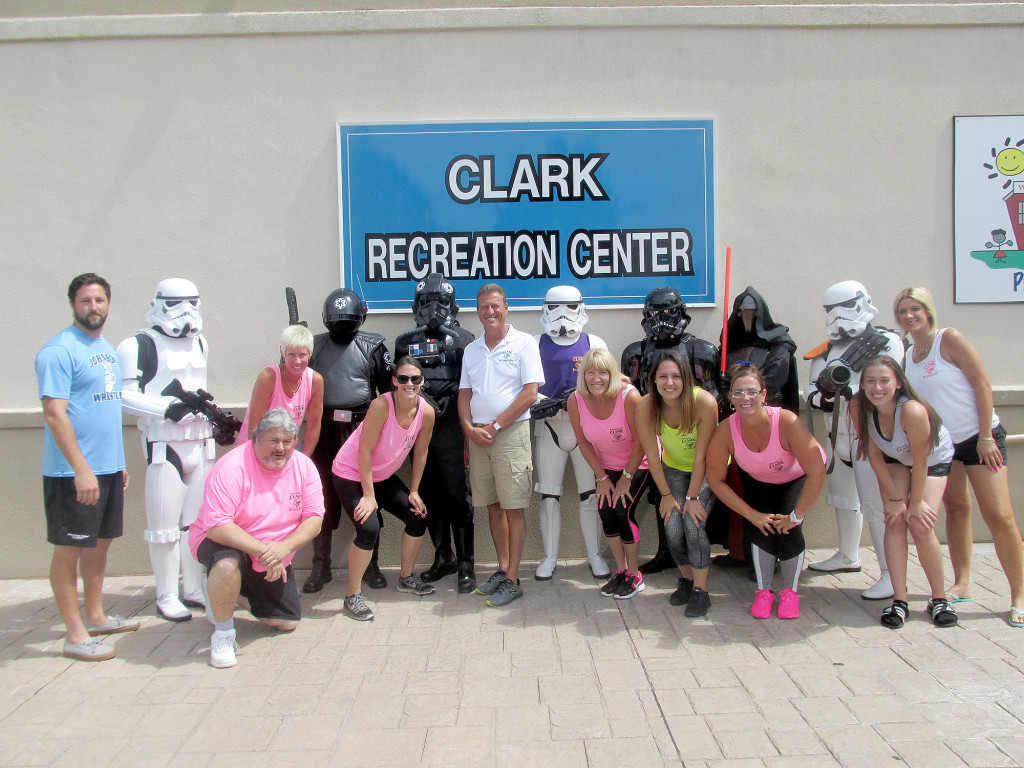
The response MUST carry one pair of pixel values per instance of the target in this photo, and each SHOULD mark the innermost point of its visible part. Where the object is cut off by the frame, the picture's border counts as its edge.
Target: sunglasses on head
(402, 378)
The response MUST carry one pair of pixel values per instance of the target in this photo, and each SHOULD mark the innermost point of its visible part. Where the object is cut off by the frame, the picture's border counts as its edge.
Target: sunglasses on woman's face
(401, 378)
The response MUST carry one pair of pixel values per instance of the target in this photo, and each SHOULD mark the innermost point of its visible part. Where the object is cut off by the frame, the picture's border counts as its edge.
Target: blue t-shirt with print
(83, 370)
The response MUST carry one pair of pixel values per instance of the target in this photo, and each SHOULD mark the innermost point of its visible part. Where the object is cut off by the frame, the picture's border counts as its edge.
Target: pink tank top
(610, 437)
(296, 405)
(774, 464)
(393, 445)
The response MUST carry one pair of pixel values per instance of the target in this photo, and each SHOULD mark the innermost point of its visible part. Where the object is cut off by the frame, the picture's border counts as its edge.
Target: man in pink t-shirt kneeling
(262, 502)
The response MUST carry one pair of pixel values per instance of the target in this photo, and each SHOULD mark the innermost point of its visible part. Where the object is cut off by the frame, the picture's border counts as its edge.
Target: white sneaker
(222, 649)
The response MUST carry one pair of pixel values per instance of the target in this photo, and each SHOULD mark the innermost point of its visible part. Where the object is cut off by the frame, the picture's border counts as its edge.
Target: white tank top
(899, 447)
(948, 391)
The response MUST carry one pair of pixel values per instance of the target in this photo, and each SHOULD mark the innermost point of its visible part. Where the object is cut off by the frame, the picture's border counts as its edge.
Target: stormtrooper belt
(346, 416)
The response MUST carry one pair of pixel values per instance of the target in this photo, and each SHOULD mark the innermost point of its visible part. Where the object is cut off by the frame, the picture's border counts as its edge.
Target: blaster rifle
(293, 307)
(547, 407)
(225, 426)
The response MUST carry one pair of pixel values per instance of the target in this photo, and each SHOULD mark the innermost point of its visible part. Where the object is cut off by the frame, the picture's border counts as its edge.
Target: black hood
(766, 332)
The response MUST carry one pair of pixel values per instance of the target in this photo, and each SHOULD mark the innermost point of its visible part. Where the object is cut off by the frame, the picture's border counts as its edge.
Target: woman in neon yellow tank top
(684, 416)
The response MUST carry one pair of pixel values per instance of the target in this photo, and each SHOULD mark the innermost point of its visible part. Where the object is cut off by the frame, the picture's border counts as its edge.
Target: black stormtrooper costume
(562, 346)
(179, 452)
(852, 488)
(664, 322)
(438, 344)
(356, 368)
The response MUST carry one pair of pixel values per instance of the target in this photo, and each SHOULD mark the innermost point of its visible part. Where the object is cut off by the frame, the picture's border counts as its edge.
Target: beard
(91, 322)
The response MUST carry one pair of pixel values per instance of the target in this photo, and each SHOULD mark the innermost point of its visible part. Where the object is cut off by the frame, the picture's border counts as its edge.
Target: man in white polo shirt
(501, 374)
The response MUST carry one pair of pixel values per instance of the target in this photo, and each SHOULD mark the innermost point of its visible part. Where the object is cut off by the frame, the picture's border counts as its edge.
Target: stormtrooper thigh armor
(551, 457)
(174, 491)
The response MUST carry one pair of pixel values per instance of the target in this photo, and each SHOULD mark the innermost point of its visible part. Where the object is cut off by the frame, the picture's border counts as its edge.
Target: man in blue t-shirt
(84, 475)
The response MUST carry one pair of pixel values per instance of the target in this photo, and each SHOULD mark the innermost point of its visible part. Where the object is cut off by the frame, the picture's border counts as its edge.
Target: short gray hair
(276, 418)
(297, 337)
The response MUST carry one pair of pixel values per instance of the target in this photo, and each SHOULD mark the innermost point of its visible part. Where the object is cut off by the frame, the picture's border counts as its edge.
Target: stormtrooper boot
(590, 525)
(464, 553)
(550, 529)
(372, 575)
(166, 563)
(444, 562)
(320, 573)
(881, 589)
(847, 559)
(191, 576)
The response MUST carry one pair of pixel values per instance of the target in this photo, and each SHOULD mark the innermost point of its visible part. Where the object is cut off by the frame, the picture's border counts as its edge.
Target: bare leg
(64, 583)
(93, 567)
(631, 556)
(358, 559)
(618, 550)
(957, 500)
(993, 492)
(896, 536)
(700, 577)
(410, 549)
(223, 584)
(515, 520)
(499, 533)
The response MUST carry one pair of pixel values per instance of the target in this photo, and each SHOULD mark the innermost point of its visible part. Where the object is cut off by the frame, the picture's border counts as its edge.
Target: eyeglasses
(401, 378)
(739, 394)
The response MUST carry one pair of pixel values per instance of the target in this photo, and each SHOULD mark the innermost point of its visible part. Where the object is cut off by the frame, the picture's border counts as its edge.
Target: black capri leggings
(621, 520)
(392, 495)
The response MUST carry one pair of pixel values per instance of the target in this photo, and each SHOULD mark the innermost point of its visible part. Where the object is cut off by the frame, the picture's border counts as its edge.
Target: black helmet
(434, 304)
(344, 312)
(665, 315)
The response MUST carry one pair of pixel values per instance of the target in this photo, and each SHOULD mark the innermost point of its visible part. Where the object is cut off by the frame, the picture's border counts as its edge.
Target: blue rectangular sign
(615, 208)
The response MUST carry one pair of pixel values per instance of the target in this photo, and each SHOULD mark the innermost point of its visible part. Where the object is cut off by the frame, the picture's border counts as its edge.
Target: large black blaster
(225, 426)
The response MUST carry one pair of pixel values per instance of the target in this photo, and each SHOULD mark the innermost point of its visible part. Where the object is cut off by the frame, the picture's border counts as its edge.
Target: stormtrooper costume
(852, 487)
(438, 344)
(356, 368)
(562, 347)
(179, 452)
(664, 322)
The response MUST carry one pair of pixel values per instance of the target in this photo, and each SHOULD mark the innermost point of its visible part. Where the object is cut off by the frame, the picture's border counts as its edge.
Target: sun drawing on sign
(1009, 161)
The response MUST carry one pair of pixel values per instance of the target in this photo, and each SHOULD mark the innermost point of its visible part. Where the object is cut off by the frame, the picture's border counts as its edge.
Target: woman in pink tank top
(603, 417)
(949, 375)
(365, 475)
(782, 468)
(290, 385)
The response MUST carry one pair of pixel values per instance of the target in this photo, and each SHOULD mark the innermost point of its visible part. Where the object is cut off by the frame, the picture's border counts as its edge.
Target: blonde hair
(599, 360)
(922, 296)
(297, 337)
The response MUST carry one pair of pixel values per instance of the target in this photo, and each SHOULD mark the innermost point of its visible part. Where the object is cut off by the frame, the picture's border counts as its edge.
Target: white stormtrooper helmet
(848, 310)
(565, 314)
(174, 310)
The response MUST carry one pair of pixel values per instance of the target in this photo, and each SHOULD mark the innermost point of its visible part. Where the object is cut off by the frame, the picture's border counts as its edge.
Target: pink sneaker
(762, 607)
(789, 605)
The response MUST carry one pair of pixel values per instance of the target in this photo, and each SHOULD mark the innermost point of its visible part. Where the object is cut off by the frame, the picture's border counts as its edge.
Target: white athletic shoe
(222, 649)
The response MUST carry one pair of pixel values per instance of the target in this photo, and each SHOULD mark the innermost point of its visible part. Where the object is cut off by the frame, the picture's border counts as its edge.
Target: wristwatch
(496, 425)
(627, 475)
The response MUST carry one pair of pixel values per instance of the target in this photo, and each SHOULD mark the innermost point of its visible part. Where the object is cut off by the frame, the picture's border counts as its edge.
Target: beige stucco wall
(202, 145)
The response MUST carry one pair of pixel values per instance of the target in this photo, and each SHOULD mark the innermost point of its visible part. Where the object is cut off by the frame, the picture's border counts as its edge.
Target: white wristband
(796, 520)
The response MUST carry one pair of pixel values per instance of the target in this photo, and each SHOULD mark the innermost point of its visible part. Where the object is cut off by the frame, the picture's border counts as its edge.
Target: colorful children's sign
(988, 208)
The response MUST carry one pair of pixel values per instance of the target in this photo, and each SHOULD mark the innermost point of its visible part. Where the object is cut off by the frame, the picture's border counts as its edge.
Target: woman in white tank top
(946, 369)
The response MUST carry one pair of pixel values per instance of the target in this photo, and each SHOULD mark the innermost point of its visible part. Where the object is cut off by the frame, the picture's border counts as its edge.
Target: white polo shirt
(498, 375)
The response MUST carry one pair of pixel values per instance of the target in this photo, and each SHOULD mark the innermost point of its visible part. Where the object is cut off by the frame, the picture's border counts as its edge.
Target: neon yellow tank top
(679, 450)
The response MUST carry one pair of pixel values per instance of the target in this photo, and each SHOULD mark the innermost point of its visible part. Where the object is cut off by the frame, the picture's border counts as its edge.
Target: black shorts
(267, 599)
(935, 470)
(966, 452)
(70, 524)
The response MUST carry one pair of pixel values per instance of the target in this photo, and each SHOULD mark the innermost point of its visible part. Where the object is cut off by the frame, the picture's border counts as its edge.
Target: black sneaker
(608, 590)
(633, 583)
(415, 585)
(356, 607)
(698, 604)
(682, 594)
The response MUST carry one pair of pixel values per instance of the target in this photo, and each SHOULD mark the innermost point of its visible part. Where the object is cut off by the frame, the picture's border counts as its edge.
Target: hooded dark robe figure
(767, 345)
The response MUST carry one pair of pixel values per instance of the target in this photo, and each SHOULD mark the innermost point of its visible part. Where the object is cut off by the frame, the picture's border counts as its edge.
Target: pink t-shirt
(267, 504)
(610, 437)
(392, 447)
(774, 464)
(296, 405)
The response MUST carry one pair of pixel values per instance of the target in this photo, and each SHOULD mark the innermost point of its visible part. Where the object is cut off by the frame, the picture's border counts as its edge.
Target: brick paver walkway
(562, 678)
